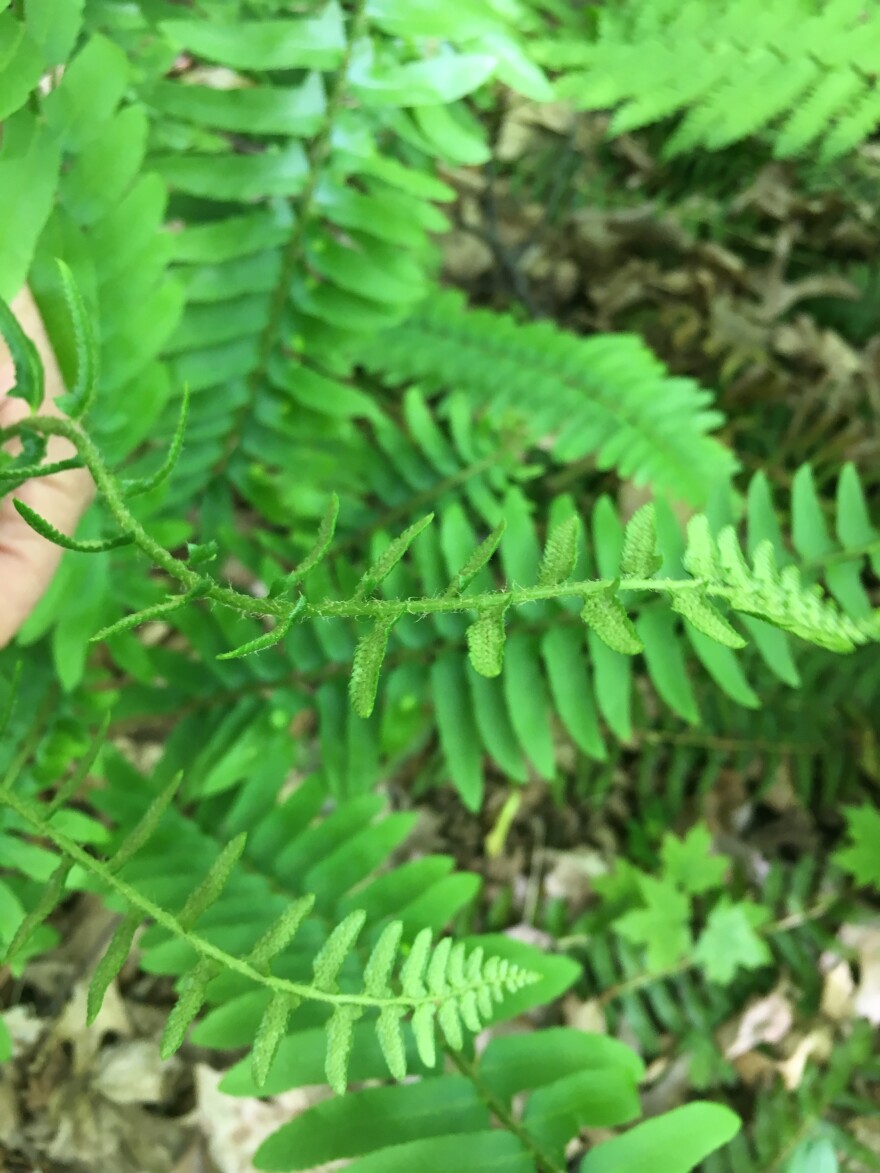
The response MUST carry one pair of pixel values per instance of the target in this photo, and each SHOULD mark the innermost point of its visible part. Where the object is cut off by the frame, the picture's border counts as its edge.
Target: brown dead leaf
(465, 256)
(766, 1021)
(865, 940)
(816, 1045)
(755, 1069)
(216, 77)
(571, 873)
(668, 1086)
(74, 1094)
(586, 1016)
(781, 795)
(132, 1072)
(235, 1127)
(523, 122)
(866, 1130)
(838, 991)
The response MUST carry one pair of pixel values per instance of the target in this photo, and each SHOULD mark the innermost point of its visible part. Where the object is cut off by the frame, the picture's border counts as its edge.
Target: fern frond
(697, 575)
(440, 982)
(796, 71)
(606, 397)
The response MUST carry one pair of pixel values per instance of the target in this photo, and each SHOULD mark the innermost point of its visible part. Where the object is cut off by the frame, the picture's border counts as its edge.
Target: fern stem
(835, 557)
(470, 1070)
(710, 741)
(329, 608)
(50, 426)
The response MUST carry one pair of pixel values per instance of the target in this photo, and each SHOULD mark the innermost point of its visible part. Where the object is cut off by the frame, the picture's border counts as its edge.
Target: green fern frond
(558, 1072)
(797, 71)
(606, 397)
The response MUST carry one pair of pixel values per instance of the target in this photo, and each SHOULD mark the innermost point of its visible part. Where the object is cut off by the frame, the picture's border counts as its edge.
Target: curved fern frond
(799, 71)
(606, 397)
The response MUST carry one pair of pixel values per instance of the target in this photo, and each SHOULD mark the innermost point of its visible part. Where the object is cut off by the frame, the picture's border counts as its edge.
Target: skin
(27, 560)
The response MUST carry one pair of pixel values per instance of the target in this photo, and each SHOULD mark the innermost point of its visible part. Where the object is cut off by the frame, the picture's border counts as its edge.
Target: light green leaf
(814, 1156)
(485, 639)
(269, 1034)
(377, 972)
(337, 947)
(413, 971)
(423, 1031)
(456, 725)
(706, 618)
(54, 27)
(676, 1142)
(279, 935)
(389, 557)
(264, 45)
(604, 1097)
(560, 553)
(202, 897)
(27, 367)
(112, 962)
(190, 999)
(662, 926)
(639, 558)
(729, 941)
(666, 664)
(339, 1043)
(477, 560)
(390, 1035)
(687, 862)
(441, 79)
(862, 857)
(367, 665)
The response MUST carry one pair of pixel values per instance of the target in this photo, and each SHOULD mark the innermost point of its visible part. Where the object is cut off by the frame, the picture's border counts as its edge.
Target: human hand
(28, 560)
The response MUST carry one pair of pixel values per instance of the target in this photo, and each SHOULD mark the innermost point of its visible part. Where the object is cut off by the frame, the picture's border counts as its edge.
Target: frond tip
(763, 590)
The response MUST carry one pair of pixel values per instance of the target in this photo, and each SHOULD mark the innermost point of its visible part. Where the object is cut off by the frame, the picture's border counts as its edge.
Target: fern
(300, 203)
(443, 983)
(250, 975)
(246, 208)
(706, 570)
(605, 397)
(797, 70)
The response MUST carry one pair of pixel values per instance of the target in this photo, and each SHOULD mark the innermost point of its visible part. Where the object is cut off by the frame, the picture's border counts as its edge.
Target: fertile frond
(798, 71)
(762, 590)
(443, 983)
(607, 397)
(698, 576)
